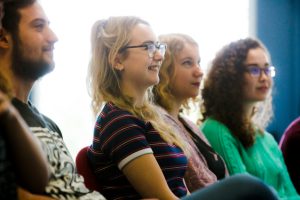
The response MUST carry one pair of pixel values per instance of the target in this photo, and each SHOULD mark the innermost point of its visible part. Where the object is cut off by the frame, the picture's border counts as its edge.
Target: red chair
(84, 168)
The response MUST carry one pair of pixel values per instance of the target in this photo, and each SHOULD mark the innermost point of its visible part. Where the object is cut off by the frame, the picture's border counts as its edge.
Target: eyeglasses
(256, 71)
(151, 48)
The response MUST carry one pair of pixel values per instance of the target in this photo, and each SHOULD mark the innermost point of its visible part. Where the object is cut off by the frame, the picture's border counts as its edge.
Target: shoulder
(33, 117)
(217, 133)
(188, 122)
(115, 125)
(211, 125)
(267, 139)
(267, 136)
(52, 125)
(113, 114)
(193, 127)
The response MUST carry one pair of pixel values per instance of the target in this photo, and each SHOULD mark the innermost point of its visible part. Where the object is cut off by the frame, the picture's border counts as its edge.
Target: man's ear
(3, 39)
(117, 65)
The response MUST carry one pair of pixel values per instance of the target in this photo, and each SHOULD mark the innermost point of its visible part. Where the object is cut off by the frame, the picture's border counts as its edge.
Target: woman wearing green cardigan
(237, 108)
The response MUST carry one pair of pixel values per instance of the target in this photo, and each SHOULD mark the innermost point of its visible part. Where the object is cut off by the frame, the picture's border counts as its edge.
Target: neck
(248, 108)
(138, 94)
(22, 89)
(174, 112)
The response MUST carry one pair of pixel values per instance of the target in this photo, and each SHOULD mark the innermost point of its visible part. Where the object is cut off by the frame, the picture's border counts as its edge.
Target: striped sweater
(120, 137)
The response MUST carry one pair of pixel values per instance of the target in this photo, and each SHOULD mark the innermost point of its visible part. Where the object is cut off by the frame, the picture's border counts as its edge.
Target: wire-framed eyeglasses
(150, 47)
(256, 71)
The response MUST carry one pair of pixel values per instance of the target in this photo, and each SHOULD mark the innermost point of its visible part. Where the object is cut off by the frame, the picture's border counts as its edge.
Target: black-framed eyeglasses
(256, 71)
(150, 47)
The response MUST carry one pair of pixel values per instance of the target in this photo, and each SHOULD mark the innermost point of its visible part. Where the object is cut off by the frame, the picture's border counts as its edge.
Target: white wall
(62, 95)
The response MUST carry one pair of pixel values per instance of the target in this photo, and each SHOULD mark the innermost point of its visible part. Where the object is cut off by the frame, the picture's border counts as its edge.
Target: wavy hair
(223, 89)
(108, 38)
(163, 94)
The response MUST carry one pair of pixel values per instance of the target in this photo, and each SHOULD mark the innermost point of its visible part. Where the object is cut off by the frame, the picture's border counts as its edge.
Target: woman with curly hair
(237, 106)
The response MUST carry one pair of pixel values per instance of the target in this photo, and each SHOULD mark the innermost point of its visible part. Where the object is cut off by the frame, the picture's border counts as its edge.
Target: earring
(118, 68)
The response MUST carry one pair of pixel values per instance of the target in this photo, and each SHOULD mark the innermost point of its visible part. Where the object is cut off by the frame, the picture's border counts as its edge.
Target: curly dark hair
(223, 89)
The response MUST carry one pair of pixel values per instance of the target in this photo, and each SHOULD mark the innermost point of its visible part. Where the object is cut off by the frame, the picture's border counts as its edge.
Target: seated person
(21, 152)
(26, 51)
(237, 107)
(179, 84)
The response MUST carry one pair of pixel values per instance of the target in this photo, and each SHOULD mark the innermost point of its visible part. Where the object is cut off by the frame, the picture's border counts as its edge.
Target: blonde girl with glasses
(134, 153)
(237, 106)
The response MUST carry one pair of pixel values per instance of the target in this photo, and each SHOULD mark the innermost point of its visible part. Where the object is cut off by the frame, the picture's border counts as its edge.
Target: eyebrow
(39, 20)
(251, 64)
(149, 42)
(190, 58)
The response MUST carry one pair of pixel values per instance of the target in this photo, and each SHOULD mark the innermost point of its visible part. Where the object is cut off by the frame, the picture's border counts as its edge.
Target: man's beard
(25, 67)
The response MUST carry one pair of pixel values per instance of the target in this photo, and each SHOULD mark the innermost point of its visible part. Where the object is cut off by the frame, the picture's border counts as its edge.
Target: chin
(259, 99)
(155, 82)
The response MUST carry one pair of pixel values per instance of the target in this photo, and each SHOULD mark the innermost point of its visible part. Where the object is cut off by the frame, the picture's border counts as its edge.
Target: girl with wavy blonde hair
(179, 86)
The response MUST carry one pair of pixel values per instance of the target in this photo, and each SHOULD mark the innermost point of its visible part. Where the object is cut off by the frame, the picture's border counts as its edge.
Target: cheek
(271, 82)
(248, 81)
(30, 47)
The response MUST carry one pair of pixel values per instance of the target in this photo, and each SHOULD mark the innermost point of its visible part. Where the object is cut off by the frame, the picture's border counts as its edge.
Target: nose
(198, 71)
(263, 75)
(52, 37)
(158, 55)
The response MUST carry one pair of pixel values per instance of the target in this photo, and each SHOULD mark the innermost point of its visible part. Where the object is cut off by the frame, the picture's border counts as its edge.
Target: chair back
(84, 168)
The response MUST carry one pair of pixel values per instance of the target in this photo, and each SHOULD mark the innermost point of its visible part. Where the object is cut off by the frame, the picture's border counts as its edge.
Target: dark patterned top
(8, 185)
(64, 182)
(120, 137)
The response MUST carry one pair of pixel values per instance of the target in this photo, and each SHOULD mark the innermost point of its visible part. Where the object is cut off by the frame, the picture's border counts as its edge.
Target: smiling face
(33, 46)
(187, 73)
(138, 70)
(257, 88)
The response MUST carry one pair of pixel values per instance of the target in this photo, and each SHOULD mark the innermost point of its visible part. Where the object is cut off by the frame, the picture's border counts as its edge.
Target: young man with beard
(26, 52)
(15, 139)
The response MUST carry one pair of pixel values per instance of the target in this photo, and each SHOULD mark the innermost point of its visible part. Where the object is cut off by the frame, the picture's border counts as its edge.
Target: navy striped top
(120, 137)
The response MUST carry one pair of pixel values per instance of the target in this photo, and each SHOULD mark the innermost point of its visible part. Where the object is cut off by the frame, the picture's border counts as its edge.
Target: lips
(48, 48)
(154, 67)
(263, 88)
(197, 84)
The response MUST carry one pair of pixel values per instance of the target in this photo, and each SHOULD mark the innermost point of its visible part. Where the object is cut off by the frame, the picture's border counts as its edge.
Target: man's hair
(12, 16)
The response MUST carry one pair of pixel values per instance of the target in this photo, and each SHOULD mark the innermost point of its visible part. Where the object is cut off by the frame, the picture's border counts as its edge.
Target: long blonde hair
(108, 37)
